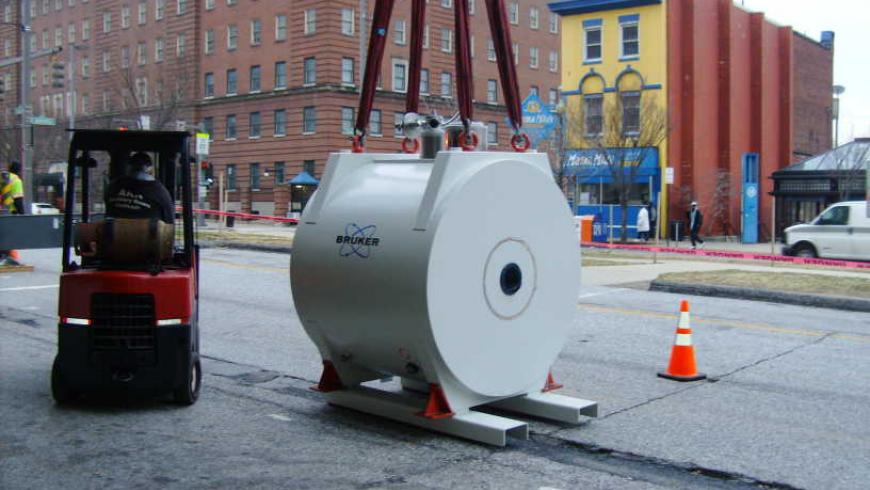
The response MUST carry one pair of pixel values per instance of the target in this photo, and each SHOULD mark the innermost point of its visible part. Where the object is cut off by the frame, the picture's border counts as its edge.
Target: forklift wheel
(188, 392)
(60, 390)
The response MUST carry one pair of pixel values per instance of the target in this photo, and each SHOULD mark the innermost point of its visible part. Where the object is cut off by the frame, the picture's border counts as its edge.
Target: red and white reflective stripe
(684, 321)
(683, 339)
(75, 321)
(168, 321)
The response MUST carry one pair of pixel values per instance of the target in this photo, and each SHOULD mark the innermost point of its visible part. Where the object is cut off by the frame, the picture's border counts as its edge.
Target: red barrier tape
(277, 219)
(732, 255)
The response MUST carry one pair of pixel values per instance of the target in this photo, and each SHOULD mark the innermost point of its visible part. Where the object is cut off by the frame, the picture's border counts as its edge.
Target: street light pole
(24, 106)
(838, 90)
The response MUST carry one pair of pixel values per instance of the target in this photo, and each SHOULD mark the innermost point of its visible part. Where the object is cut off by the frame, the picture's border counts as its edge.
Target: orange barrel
(586, 227)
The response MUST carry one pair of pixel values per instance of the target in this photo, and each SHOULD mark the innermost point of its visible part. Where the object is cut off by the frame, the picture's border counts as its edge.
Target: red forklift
(129, 288)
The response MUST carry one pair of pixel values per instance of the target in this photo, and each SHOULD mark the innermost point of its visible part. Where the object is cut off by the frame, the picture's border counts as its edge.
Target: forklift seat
(122, 241)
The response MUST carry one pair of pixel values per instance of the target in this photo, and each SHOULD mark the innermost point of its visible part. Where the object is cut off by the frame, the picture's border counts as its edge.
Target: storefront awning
(304, 178)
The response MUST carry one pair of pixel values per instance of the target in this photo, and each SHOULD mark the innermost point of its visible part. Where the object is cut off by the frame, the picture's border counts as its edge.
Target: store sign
(539, 120)
(597, 164)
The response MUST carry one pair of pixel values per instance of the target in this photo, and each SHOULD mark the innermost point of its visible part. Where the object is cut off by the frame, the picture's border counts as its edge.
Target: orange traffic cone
(682, 366)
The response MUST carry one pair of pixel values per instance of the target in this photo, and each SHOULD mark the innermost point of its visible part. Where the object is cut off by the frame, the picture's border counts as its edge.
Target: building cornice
(575, 7)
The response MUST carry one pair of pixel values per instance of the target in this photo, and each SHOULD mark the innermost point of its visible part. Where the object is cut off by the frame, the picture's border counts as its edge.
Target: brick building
(275, 83)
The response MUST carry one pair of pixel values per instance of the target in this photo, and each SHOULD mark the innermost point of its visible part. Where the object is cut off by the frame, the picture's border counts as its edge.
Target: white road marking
(29, 288)
(278, 416)
(600, 293)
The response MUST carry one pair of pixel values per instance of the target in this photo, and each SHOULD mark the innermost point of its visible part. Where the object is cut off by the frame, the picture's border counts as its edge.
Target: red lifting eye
(410, 145)
(520, 142)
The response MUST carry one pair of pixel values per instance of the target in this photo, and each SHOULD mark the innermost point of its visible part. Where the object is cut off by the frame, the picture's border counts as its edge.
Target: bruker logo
(357, 240)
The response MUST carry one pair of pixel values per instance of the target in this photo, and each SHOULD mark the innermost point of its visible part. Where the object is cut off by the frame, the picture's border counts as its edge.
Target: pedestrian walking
(696, 219)
(643, 223)
(12, 202)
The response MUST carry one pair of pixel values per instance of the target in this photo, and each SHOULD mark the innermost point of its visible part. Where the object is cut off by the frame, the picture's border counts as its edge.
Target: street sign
(669, 175)
(202, 144)
(43, 121)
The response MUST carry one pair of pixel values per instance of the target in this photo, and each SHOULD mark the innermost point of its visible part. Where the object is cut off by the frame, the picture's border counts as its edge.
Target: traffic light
(58, 74)
(207, 173)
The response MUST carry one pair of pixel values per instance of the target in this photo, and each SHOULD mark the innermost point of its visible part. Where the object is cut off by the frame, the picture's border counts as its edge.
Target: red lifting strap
(507, 70)
(377, 41)
(464, 78)
(418, 21)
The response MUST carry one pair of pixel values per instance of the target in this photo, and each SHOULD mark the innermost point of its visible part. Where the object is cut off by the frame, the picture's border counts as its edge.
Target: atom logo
(357, 240)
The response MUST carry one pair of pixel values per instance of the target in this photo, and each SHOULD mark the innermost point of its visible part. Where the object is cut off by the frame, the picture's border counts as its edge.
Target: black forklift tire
(188, 392)
(60, 390)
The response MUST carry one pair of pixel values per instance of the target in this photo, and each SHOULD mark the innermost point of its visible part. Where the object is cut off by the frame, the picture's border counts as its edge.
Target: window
(180, 7)
(280, 27)
(471, 45)
(107, 22)
(141, 53)
(7, 13)
(594, 116)
(491, 133)
(838, 215)
(534, 18)
(375, 123)
(180, 43)
(446, 40)
(554, 23)
(86, 103)
(231, 127)
(125, 57)
(125, 17)
(347, 22)
(279, 173)
(158, 50)
(533, 90)
(255, 176)
(446, 3)
(256, 32)
(308, 166)
(209, 85)
(629, 34)
(490, 50)
(399, 128)
(426, 36)
(309, 71)
(514, 13)
(209, 41)
(400, 75)
(280, 128)
(254, 122)
(516, 48)
(553, 97)
(491, 91)
(142, 92)
(471, 7)
(399, 33)
(58, 37)
(554, 61)
(630, 113)
(106, 62)
(347, 120)
(309, 120)
(232, 81)
(533, 57)
(231, 2)
(70, 34)
(159, 9)
(231, 177)
(232, 36)
(347, 71)
(424, 81)
(593, 41)
(310, 22)
(255, 79)
(446, 84)
(143, 13)
(280, 74)
(7, 47)
(209, 4)
(86, 30)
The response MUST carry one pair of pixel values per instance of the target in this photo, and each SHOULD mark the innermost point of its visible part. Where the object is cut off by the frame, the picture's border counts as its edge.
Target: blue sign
(749, 217)
(539, 120)
(595, 165)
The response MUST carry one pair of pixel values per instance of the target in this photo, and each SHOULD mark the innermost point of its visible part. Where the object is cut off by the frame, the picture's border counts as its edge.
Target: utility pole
(27, 174)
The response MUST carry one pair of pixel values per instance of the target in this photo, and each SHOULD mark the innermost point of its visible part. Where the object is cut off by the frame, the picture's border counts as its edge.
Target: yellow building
(614, 77)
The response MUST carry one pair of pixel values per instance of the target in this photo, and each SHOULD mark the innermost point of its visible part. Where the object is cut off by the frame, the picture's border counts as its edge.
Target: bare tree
(163, 99)
(719, 207)
(623, 131)
(851, 163)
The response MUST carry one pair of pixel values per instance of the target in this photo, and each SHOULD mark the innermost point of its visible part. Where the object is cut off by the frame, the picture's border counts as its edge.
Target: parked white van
(842, 231)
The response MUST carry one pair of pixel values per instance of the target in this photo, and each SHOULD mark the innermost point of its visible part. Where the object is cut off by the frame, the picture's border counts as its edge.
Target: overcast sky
(850, 20)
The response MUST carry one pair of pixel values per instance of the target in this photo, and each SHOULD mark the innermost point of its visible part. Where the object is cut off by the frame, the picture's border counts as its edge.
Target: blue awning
(304, 178)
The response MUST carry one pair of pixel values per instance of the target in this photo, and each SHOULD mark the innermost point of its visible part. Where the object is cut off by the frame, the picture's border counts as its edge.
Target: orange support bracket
(329, 380)
(436, 406)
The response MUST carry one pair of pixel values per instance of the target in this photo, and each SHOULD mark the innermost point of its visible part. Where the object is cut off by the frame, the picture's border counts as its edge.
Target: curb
(256, 247)
(812, 300)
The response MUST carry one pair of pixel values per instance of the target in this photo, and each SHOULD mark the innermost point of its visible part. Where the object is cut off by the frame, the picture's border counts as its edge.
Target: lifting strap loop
(418, 22)
(377, 41)
(464, 77)
(507, 70)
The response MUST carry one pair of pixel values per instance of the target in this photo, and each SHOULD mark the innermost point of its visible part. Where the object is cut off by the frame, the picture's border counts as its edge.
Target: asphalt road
(787, 405)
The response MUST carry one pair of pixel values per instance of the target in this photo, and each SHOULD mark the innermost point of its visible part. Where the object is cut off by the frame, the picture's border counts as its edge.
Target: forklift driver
(138, 195)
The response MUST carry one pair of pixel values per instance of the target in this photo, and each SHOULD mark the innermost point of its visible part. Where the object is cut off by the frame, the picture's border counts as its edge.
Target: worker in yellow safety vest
(12, 200)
